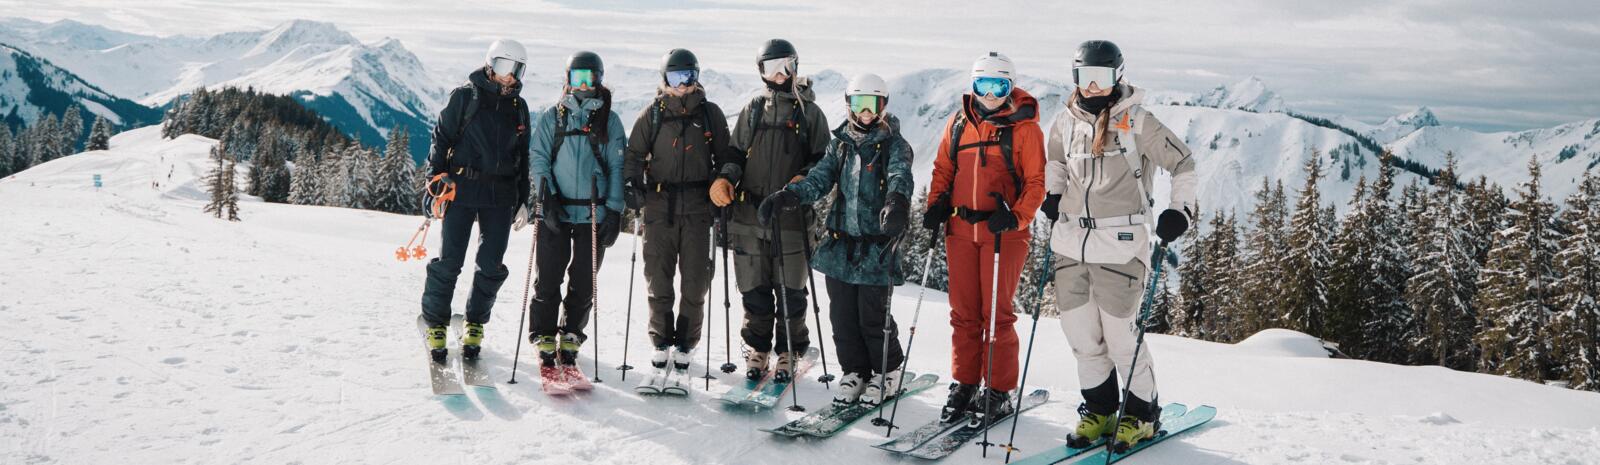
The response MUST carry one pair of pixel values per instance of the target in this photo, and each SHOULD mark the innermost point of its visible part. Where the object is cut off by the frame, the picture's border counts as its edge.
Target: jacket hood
(1020, 108)
(682, 104)
(887, 127)
(1130, 96)
(802, 86)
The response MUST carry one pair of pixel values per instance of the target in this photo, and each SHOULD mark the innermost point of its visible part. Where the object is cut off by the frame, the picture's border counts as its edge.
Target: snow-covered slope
(1250, 95)
(31, 87)
(1566, 151)
(142, 330)
(366, 89)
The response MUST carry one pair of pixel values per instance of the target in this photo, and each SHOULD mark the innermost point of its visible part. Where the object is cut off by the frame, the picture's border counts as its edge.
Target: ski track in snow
(141, 330)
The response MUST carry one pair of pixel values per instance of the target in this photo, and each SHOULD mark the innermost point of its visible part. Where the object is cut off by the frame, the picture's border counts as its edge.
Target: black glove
(1002, 219)
(633, 194)
(894, 215)
(552, 212)
(1172, 224)
(780, 202)
(610, 227)
(1051, 207)
(938, 213)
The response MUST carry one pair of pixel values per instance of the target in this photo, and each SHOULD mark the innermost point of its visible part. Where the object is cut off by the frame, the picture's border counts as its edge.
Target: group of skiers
(572, 171)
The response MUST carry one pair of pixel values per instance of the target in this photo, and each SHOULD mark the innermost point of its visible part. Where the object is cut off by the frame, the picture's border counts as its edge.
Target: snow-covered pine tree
(1487, 204)
(1347, 278)
(305, 180)
(269, 170)
(1575, 330)
(1305, 277)
(916, 245)
(230, 195)
(71, 131)
(397, 176)
(1263, 285)
(1391, 326)
(218, 179)
(1224, 259)
(99, 135)
(1441, 292)
(1161, 308)
(8, 152)
(1193, 307)
(1516, 294)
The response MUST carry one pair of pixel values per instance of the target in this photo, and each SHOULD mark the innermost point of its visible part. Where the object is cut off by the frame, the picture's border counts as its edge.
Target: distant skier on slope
(481, 147)
(1101, 149)
(870, 164)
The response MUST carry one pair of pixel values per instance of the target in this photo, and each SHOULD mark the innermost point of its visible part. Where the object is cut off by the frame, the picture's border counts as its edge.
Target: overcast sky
(1484, 64)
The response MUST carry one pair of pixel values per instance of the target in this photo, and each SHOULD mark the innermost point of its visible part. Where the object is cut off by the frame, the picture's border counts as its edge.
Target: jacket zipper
(1083, 251)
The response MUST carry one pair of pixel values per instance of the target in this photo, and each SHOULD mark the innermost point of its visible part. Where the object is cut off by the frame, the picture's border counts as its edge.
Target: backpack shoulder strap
(467, 113)
(1132, 122)
(1005, 154)
(655, 121)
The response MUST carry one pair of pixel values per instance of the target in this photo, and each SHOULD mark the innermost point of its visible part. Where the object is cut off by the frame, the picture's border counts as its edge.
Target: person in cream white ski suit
(1101, 152)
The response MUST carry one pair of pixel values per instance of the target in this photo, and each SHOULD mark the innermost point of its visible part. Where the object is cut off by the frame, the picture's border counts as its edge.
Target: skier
(577, 164)
(870, 163)
(988, 180)
(676, 145)
(1101, 149)
(779, 135)
(481, 147)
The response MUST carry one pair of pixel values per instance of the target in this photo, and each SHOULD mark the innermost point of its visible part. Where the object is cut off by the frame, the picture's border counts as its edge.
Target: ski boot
(992, 405)
(783, 371)
(658, 359)
(472, 341)
(850, 389)
(568, 354)
(755, 363)
(891, 385)
(436, 340)
(1091, 426)
(681, 359)
(1130, 431)
(546, 345)
(956, 405)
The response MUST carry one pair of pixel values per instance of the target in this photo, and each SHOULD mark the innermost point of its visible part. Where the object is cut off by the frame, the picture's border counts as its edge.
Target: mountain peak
(1421, 117)
(294, 33)
(1249, 94)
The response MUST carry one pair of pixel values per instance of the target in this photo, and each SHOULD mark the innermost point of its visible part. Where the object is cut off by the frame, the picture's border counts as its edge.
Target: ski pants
(563, 250)
(971, 264)
(494, 228)
(1099, 305)
(756, 267)
(671, 247)
(860, 314)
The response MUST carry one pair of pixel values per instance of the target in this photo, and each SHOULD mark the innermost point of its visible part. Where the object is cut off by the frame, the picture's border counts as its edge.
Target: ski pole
(783, 302)
(727, 296)
(822, 337)
(627, 325)
(994, 312)
(707, 312)
(1144, 309)
(538, 221)
(594, 271)
(888, 320)
(1046, 274)
(916, 314)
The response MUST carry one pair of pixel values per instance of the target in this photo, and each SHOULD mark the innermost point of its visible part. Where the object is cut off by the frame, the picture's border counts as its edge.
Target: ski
(909, 440)
(947, 444)
(441, 374)
(652, 384)
(673, 384)
(1199, 416)
(836, 417)
(472, 371)
(1062, 453)
(553, 381)
(575, 378)
(768, 396)
(743, 390)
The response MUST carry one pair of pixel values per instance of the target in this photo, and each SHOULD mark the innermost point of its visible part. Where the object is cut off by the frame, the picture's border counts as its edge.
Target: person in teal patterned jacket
(870, 163)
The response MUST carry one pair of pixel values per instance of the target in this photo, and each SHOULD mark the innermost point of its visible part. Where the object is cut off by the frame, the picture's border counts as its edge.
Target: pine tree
(1028, 297)
(71, 131)
(1223, 259)
(397, 176)
(269, 170)
(1262, 290)
(1441, 292)
(1348, 277)
(1575, 330)
(1391, 326)
(218, 180)
(1306, 266)
(916, 245)
(1516, 293)
(99, 135)
(8, 152)
(230, 196)
(1193, 308)
(1161, 308)
(305, 181)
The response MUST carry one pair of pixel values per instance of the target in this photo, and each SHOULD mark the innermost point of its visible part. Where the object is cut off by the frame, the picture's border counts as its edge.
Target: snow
(142, 330)
(1249, 94)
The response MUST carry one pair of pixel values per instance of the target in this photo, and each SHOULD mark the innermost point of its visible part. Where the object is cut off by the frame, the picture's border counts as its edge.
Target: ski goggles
(859, 103)
(773, 67)
(580, 78)
(998, 87)
(506, 67)
(1101, 76)
(685, 77)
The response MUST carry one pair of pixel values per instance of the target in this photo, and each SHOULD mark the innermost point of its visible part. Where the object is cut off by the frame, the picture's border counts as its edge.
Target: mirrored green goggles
(871, 103)
(580, 78)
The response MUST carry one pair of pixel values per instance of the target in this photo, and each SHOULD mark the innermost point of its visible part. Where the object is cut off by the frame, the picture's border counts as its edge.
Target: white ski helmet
(994, 65)
(507, 49)
(867, 84)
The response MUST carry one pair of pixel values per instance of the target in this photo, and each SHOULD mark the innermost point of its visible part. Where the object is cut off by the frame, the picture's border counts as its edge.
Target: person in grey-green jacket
(577, 164)
(870, 164)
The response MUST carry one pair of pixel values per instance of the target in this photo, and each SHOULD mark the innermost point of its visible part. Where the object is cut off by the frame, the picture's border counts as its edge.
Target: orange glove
(721, 192)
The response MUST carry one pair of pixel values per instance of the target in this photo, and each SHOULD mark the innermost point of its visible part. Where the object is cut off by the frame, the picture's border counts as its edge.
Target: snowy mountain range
(1243, 132)
(31, 87)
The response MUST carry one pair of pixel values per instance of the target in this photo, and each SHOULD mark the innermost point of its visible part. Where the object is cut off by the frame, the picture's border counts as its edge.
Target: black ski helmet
(777, 48)
(590, 61)
(679, 59)
(1098, 53)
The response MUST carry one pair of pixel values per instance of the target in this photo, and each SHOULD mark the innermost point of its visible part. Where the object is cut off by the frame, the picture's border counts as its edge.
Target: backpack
(656, 119)
(472, 110)
(1130, 126)
(796, 121)
(561, 135)
(1003, 140)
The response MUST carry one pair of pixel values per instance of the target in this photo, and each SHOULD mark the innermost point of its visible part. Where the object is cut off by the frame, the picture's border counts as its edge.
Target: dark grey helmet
(679, 59)
(590, 61)
(1098, 53)
(777, 48)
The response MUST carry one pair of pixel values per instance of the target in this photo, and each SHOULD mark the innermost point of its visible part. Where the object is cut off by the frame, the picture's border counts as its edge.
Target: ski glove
(1002, 219)
(780, 202)
(938, 213)
(610, 228)
(1171, 224)
(1051, 207)
(633, 194)
(551, 209)
(894, 215)
(521, 220)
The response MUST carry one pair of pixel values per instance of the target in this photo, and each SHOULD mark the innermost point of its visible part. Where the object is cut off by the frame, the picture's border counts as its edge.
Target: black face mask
(1095, 105)
(584, 94)
(785, 87)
